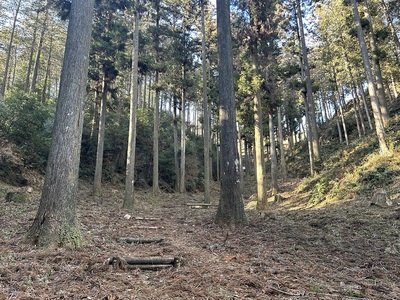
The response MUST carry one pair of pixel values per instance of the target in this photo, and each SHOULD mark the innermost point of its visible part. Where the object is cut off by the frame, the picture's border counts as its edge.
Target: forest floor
(350, 250)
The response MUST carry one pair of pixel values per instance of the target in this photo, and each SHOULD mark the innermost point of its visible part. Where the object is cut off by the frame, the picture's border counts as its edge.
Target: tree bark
(309, 96)
(28, 72)
(156, 128)
(9, 48)
(56, 220)
(379, 125)
(281, 146)
(39, 53)
(206, 117)
(274, 160)
(129, 199)
(100, 140)
(380, 88)
(230, 209)
(183, 136)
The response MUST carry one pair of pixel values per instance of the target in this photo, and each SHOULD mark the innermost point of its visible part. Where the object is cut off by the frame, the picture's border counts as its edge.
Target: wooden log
(149, 267)
(199, 205)
(150, 260)
(147, 219)
(144, 263)
(140, 241)
(149, 227)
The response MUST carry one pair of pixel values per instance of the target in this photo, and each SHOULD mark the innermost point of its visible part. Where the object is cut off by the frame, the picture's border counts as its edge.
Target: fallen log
(149, 267)
(149, 227)
(147, 219)
(144, 263)
(199, 205)
(150, 260)
(140, 241)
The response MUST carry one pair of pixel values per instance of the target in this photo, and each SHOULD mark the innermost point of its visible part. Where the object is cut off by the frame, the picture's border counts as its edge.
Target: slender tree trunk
(274, 159)
(39, 53)
(361, 90)
(176, 147)
(394, 86)
(281, 146)
(100, 140)
(310, 100)
(206, 117)
(183, 138)
(56, 221)
(377, 69)
(28, 72)
(9, 48)
(47, 74)
(340, 104)
(392, 29)
(259, 153)
(156, 128)
(379, 125)
(129, 199)
(230, 209)
(239, 141)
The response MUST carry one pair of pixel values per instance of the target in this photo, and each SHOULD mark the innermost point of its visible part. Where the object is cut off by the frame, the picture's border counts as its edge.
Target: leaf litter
(346, 251)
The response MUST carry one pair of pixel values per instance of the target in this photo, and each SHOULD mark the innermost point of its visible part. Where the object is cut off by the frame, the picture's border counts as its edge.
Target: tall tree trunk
(183, 137)
(340, 104)
(281, 146)
(310, 100)
(206, 117)
(56, 221)
(377, 69)
(156, 128)
(379, 126)
(176, 147)
(274, 159)
(259, 153)
(361, 90)
(9, 48)
(28, 72)
(47, 74)
(39, 53)
(129, 199)
(100, 140)
(392, 29)
(230, 209)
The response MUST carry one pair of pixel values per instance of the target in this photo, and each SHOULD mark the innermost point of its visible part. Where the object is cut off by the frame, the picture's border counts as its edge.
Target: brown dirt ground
(347, 251)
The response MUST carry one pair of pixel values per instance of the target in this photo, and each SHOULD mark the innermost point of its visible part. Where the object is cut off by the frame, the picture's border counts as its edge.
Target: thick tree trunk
(129, 199)
(56, 221)
(230, 209)
(379, 125)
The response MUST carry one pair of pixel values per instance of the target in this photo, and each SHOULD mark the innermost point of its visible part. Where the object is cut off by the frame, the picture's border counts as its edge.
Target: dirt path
(348, 251)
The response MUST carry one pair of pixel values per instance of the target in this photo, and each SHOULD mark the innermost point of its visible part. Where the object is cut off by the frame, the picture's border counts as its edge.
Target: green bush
(28, 123)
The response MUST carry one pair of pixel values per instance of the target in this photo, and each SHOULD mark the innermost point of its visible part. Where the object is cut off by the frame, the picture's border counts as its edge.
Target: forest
(164, 149)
